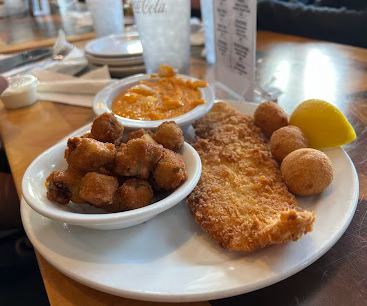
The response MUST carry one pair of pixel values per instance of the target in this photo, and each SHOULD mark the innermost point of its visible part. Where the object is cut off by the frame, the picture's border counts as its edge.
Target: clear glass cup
(107, 15)
(207, 12)
(164, 30)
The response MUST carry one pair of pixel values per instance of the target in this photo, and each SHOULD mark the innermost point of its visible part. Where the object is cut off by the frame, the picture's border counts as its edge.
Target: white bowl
(34, 192)
(104, 98)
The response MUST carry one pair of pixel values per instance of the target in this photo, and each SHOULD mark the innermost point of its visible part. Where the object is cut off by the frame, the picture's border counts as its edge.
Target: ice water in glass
(164, 30)
(107, 15)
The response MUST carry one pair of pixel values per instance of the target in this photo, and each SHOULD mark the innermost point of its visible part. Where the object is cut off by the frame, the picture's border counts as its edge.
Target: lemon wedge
(324, 125)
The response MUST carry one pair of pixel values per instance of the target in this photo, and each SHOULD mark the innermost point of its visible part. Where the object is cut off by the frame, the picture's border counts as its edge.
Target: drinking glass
(164, 30)
(107, 15)
(207, 12)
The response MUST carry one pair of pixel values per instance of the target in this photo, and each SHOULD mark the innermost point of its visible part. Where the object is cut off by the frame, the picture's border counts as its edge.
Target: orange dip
(167, 98)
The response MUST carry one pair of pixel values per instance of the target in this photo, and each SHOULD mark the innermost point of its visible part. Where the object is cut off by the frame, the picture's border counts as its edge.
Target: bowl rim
(77, 218)
(100, 103)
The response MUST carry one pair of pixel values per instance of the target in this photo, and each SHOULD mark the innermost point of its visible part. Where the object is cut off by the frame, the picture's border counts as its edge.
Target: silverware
(23, 58)
(56, 56)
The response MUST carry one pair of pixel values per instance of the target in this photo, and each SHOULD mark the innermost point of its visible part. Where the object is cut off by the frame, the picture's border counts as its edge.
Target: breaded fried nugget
(170, 135)
(270, 117)
(170, 171)
(87, 135)
(241, 200)
(107, 128)
(137, 158)
(307, 171)
(58, 188)
(98, 189)
(286, 140)
(74, 179)
(63, 186)
(86, 154)
(133, 194)
(139, 133)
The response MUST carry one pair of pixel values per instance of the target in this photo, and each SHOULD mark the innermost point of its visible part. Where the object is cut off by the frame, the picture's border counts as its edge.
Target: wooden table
(303, 69)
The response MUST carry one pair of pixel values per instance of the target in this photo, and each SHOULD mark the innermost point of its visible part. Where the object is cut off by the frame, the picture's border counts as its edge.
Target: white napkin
(63, 88)
(72, 63)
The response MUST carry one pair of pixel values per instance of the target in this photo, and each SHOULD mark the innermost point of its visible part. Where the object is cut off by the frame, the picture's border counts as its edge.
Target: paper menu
(235, 45)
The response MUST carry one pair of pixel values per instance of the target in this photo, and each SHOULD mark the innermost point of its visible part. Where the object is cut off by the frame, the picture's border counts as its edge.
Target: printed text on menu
(235, 34)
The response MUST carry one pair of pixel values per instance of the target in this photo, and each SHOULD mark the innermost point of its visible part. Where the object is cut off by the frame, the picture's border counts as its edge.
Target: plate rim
(200, 296)
(88, 46)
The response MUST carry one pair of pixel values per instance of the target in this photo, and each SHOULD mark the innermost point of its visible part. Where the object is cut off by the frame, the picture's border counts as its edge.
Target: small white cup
(21, 92)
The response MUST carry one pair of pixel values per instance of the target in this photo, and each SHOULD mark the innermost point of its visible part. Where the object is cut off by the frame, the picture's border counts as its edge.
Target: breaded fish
(241, 200)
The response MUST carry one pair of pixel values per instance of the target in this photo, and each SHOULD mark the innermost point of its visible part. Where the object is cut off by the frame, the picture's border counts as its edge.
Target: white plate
(115, 61)
(119, 45)
(104, 98)
(34, 191)
(171, 259)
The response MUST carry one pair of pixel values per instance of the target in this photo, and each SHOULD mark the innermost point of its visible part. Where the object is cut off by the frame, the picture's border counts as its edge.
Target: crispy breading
(170, 136)
(241, 199)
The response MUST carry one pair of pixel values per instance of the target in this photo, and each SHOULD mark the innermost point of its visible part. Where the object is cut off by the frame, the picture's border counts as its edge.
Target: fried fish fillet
(241, 200)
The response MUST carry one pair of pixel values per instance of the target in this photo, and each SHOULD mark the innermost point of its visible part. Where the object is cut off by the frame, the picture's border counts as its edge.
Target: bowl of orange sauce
(145, 101)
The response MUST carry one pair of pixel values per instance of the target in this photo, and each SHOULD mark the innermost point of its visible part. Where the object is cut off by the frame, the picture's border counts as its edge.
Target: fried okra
(98, 189)
(87, 135)
(170, 170)
(170, 135)
(63, 186)
(139, 133)
(58, 188)
(133, 194)
(86, 154)
(106, 128)
(137, 158)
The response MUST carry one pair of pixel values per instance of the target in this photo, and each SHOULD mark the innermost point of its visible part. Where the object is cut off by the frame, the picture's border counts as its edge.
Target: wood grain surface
(303, 69)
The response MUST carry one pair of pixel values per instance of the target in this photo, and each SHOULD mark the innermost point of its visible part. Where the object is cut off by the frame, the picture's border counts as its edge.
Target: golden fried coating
(270, 117)
(58, 188)
(241, 199)
(86, 154)
(137, 158)
(307, 171)
(286, 140)
(63, 186)
(98, 189)
(74, 179)
(170, 170)
(170, 135)
(139, 133)
(133, 194)
(107, 128)
(87, 135)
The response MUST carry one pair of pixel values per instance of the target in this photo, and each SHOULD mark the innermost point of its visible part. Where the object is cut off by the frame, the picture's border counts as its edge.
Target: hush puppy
(286, 140)
(98, 189)
(87, 154)
(170, 135)
(137, 158)
(270, 117)
(107, 128)
(307, 171)
(170, 171)
(133, 194)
